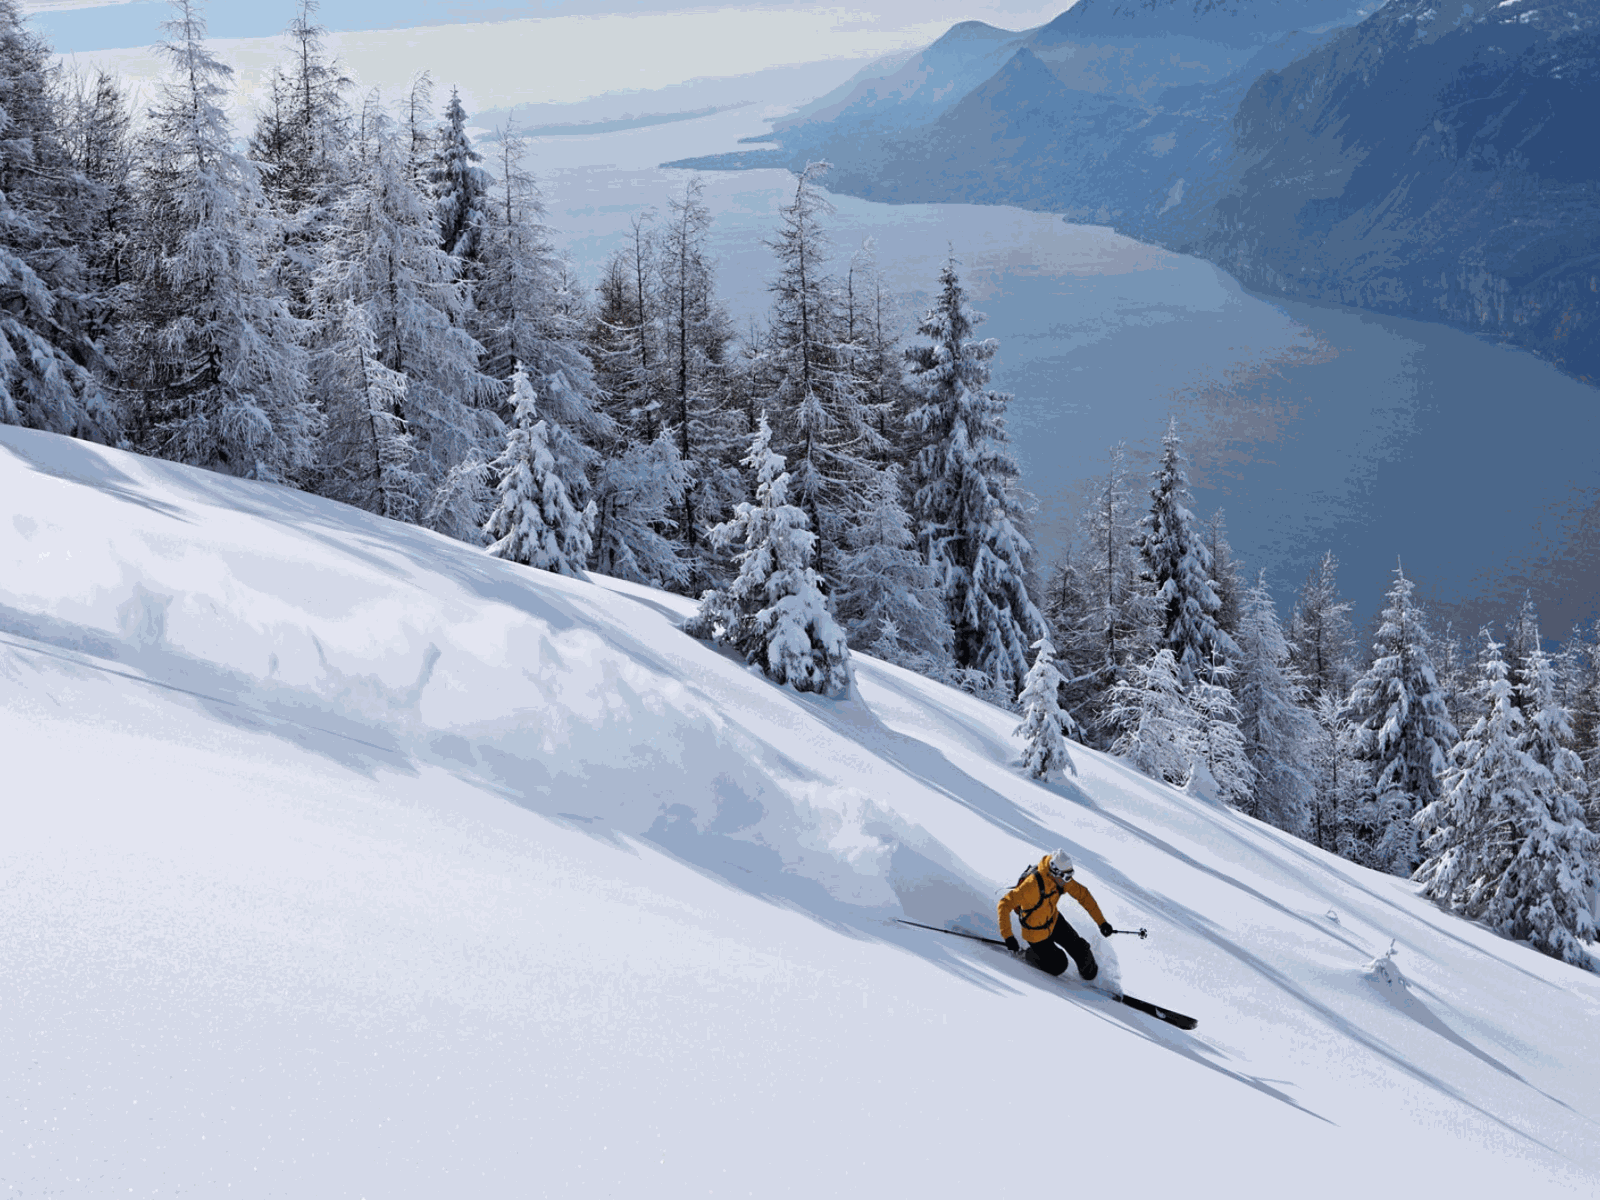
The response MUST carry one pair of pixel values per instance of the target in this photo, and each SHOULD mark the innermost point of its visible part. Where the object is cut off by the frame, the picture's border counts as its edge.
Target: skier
(1050, 939)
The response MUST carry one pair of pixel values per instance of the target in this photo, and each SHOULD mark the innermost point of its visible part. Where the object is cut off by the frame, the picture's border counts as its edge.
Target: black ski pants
(1050, 955)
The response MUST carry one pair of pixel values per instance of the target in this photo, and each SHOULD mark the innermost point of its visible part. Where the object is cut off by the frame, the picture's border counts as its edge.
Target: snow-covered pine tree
(1401, 733)
(418, 132)
(883, 578)
(965, 507)
(382, 254)
(1581, 693)
(871, 323)
(636, 487)
(1069, 615)
(302, 142)
(1452, 668)
(521, 315)
(46, 348)
(1280, 736)
(1506, 842)
(1158, 724)
(460, 187)
(368, 456)
(623, 337)
(1043, 722)
(535, 522)
(1222, 767)
(695, 333)
(1321, 652)
(97, 130)
(1177, 567)
(1553, 878)
(819, 421)
(774, 612)
(1226, 575)
(639, 481)
(1465, 830)
(214, 358)
(1119, 615)
(1321, 644)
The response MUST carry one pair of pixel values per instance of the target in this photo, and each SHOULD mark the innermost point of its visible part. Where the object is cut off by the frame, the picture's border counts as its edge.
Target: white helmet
(1061, 865)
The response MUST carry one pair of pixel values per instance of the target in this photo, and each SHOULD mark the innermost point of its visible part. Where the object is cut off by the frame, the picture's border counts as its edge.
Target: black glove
(1011, 945)
(1105, 929)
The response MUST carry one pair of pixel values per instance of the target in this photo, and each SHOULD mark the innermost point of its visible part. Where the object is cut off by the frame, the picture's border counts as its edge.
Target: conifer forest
(353, 299)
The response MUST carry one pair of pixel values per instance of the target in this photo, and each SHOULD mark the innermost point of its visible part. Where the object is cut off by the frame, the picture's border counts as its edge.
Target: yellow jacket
(1036, 899)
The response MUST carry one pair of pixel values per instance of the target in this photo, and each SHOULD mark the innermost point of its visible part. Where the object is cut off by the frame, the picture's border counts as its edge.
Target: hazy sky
(526, 51)
(102, 24)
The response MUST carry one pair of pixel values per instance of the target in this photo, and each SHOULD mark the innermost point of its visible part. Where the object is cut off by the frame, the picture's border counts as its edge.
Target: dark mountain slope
(1431, 160)
(1440, 165)
(1234, 22)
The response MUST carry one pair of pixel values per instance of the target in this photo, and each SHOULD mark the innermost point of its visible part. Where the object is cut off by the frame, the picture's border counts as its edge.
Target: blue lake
(1312, 426)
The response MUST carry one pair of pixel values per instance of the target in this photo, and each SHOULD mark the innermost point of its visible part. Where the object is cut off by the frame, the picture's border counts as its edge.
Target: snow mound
(1384, 973)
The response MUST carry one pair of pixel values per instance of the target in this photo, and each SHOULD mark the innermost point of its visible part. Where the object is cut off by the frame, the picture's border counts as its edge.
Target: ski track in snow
(341, 859)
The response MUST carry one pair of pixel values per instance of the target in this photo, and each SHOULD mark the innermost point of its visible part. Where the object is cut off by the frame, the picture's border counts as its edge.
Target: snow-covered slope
(338, 859)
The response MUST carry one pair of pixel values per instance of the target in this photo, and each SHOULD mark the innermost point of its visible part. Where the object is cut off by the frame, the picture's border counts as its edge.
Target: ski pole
(952, 932)
(1142, 933)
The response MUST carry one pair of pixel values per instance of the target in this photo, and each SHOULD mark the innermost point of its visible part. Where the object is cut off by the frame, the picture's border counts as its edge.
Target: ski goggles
(1063, 876)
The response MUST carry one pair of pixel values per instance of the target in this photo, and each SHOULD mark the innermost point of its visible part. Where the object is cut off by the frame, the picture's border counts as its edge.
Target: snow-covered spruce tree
(369, 457)
(1506, 843)
(382, 254)
(871, 324)
(624, 339)
(418, 132)
(1118, 615)
(1177, 567)
(1043, 722)
(774, 612)
(1159, 726)
(1322, 652)
(1581, 677)
(1401, 733)
(1466, 830)
(965, 508)
(521, 315)
(1280, 736)
(636, 487)
(303, 144)
(1559, 843)
(535, 522)
(1069, 615)
(819, 421)
(1226, 575)
(883, 578)
(215, 361)
(695, 333)
(460, 186)
(97, 130)
(1551, 882)
(1222, 769)
(1321, 644)
(47, 355)
(1454, 671)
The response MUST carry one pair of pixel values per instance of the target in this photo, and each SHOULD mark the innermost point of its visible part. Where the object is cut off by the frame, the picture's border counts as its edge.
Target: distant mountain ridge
(1239, 22)
(1426, 158)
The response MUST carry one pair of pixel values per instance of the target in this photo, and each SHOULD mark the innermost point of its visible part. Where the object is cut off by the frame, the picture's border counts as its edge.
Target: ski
(1170, 1016)
(1161, 1014)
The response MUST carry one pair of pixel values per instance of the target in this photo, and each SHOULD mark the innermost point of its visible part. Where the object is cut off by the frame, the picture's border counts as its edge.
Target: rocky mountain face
(1433, 158)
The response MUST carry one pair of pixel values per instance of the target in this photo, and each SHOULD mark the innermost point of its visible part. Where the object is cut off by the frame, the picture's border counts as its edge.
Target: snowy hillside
(339, 859)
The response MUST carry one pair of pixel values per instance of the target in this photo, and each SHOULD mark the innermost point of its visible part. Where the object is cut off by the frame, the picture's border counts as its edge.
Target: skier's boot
(1087, 967)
